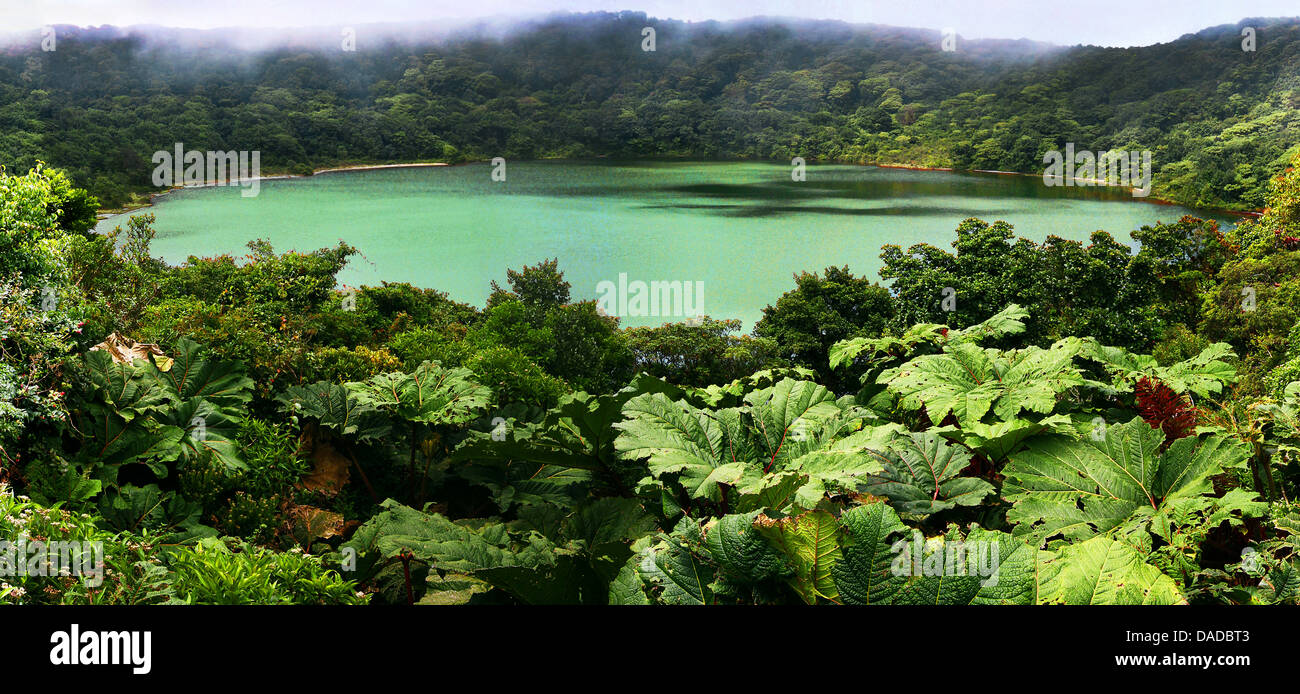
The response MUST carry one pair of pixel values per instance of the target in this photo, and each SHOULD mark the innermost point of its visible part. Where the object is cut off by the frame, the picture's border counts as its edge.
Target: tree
(1101, 290)
(39, 308)
(588, 350)
(540, 287)
(822, 310)
(700, 355)
(1255, 305)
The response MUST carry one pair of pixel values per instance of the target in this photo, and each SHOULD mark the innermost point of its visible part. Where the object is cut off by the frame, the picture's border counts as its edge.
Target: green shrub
(250, 517)
(515, 379)
(270, 450)
(418, 345)
(216, 572)
(342, 364)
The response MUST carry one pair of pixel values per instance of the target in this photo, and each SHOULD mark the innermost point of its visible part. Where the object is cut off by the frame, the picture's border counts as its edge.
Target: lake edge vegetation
(1008, 422)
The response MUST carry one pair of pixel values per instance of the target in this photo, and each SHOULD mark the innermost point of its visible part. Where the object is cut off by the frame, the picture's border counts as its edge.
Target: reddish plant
(1290, 243)
(1161, 407)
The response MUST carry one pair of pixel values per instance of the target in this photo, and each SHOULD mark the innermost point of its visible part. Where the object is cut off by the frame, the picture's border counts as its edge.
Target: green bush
(217, 572)
(342, 364)
(514, 378)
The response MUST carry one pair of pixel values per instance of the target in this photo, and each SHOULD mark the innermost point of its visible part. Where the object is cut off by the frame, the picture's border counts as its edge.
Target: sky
(1098, 22)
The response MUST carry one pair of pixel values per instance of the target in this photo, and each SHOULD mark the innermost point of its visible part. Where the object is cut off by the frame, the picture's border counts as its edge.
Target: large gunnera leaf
(843, 465)
(759, 447)
(335, 407)
(968, 382)
(208, 429)
(1080, 488)
(577, 433)
(192, 375)
(1202, 375)
(787, 417)
(918, 473)
(111, 441)
(128, 387)
(445, 544)
(673, 570)
(811, 545)
(1103, 571)
(1008, 321)
(431, 394)
(676, 438)
(886, 563)
(743, 554)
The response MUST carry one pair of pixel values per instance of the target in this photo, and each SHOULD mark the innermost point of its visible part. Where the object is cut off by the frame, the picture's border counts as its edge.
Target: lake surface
(743, 229)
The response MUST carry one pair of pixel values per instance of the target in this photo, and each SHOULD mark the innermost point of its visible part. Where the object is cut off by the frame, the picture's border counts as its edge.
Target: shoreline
(1255, 214)
(1095, 183)
(105, 213)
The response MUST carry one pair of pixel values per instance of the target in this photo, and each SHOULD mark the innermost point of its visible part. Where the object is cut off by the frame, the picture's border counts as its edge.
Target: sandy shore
(369, 167)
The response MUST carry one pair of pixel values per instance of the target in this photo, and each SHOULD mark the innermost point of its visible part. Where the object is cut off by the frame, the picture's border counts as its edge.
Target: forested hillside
(1218, 120)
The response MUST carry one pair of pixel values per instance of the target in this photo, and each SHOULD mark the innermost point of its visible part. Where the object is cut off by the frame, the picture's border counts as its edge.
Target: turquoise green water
(743, 229)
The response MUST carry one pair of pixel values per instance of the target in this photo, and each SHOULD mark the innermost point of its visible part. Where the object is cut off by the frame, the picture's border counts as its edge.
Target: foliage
(1014, 453)
(1076, 489)
(700, 354)
(215, 573)
(1254, 305)
(1100, 290)
(822, 310)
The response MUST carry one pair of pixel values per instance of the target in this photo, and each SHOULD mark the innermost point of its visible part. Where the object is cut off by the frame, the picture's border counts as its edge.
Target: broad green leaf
(1008, 321)
(577, 433)
(445, 544)
(558, 583)
(786, 416)
(136, 509)
(969, 382)
(1080, 488)
(885, 563)
(1102, 571)
(843, 465)
(1283, 583)
(606, 522)
(452, 589)
(207, 430)
(919, 474)
(999, 440)
(431, 394)
(865, 576)
(811, 545)
(741, 552)
(129, 388)
(191, 375)
(1203, 375)
(672, 567)
(676, 438)
(627, 588)
(335, 407)
(111, 440)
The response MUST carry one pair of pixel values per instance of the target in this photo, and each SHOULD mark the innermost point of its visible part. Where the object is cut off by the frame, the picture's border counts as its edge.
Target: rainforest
(1084, 417)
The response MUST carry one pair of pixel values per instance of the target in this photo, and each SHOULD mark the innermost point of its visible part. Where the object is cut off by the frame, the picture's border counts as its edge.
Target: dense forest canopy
(1219, 121)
